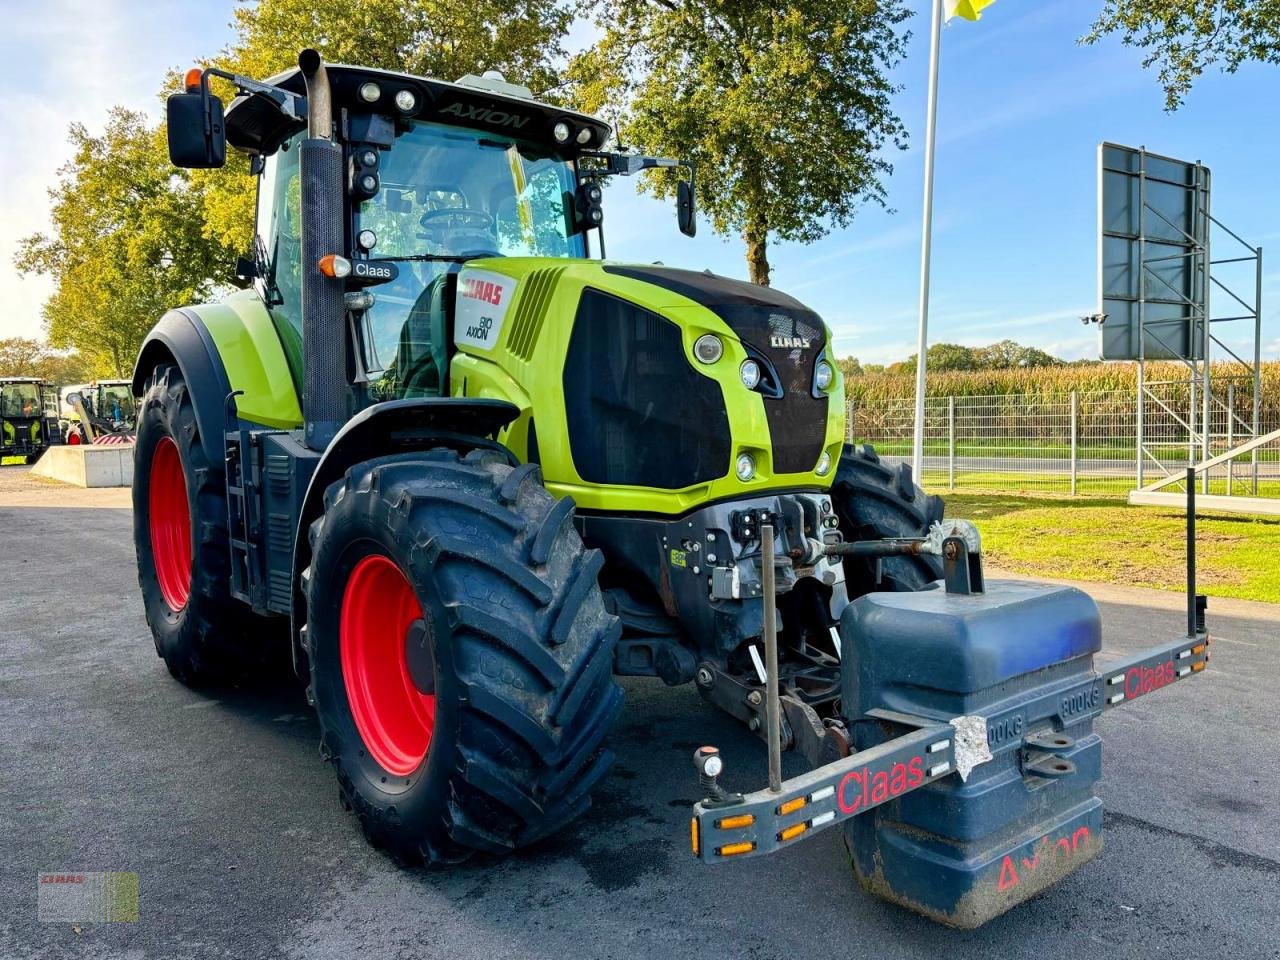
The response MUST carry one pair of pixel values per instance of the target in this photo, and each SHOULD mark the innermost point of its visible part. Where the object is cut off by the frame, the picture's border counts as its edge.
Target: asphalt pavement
(221, 805)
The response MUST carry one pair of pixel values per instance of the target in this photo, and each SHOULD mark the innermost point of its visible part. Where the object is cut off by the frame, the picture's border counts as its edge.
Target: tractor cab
(436, 175)
(24, 431)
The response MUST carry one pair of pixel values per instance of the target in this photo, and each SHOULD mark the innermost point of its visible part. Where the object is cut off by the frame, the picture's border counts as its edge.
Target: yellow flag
(969, 9)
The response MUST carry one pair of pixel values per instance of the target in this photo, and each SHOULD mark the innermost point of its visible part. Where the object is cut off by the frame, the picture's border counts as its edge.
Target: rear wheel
(875, 501)
(461, 656)
(180, 537)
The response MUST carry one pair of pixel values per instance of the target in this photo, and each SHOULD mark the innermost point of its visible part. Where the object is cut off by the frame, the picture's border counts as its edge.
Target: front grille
(761, 316)
(638, 413)
(797, 419)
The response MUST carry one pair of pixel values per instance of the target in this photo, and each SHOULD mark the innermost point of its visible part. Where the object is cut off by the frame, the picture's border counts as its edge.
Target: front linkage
(970, 846)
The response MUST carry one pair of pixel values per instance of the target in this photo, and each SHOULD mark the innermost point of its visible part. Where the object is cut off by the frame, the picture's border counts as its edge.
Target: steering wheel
(465, 216)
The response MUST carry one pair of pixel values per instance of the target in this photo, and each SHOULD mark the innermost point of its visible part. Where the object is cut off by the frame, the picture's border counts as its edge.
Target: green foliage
(1005, 355)
(1183, 37)
(783, 108)
(125, 246)
(23, 357)
(430, 38)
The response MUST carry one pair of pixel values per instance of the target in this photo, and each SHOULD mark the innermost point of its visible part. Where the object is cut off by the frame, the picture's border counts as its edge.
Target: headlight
(367, 239)
(370, 92)
(750, 374)
(561, 132)
(584, 136)
(824, 464)
(708, 348)
(405, 100)
(746, 467)
(823, 376)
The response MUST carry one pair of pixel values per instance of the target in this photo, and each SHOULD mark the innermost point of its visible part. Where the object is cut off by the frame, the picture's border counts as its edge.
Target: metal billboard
(1153, 255)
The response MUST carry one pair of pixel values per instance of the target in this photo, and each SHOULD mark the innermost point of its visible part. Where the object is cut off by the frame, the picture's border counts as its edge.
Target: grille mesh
(531, 310)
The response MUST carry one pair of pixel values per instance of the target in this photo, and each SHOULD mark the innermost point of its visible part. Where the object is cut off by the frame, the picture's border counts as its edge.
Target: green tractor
(26, 427)
(473, 473)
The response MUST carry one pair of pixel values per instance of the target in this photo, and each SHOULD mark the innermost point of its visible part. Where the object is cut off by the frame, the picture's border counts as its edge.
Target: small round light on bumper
(708, 348)
(745, 467)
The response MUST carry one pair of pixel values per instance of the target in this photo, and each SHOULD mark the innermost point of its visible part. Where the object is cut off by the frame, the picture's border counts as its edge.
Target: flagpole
(926, 241)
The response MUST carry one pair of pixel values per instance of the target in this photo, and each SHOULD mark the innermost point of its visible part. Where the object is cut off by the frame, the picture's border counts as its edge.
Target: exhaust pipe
(324, 378)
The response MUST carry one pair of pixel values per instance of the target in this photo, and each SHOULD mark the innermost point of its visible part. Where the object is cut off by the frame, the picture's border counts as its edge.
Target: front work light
(824, 464)
(746, 467)
(370, 92)
(750, 374)
(405, 100)
(561, 132)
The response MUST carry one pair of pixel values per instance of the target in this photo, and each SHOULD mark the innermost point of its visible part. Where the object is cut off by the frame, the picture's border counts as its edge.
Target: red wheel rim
(170, 525)
(394, 718)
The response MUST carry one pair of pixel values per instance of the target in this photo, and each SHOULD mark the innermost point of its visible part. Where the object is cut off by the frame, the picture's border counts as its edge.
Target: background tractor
(107, 407)
(26, 427)
(474, 473)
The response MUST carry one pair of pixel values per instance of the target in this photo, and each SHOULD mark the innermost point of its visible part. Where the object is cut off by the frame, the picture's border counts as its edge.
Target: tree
(24, 357)
(127, 243)
(1185, 36)
(1007, 355)
(430, 38)
(783, 108)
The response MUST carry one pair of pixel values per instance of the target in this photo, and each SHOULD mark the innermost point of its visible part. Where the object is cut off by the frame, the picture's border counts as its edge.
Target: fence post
(951, 443)
(1231, 430)
(1075, 437)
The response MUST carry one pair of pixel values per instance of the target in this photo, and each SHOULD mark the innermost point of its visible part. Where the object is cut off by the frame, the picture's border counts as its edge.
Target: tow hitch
(964, 762)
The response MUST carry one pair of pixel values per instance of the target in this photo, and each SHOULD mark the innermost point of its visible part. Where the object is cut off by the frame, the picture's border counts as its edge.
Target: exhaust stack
(324, 377)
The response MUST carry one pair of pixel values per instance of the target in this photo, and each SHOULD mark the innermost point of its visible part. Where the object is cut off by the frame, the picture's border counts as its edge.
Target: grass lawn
(1108, 541)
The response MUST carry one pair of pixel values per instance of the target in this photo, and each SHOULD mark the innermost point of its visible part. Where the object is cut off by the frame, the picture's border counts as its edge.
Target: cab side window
(279, 233)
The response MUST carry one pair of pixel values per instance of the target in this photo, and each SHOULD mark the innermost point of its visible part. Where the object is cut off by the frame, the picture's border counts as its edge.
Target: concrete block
(88, 466)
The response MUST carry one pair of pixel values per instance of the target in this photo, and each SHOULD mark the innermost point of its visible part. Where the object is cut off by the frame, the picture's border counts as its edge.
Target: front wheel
(461, 656)
(875, 501)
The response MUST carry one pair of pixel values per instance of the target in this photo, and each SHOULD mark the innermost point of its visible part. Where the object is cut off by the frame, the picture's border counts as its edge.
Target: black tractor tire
(204, 635)
(506, 621)
(875, 501)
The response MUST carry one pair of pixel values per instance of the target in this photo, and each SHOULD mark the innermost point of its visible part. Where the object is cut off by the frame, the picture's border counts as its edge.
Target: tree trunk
(756, 236)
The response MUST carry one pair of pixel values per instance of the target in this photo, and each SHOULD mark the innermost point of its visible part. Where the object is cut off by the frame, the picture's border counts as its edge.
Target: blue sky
(1022, 108)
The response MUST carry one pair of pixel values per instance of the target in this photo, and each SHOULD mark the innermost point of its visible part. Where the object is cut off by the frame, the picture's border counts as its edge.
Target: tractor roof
(256, 126)
(4, 380)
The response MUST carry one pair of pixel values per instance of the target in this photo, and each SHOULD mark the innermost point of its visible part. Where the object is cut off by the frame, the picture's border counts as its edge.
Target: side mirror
(197, 134)
(686, 208)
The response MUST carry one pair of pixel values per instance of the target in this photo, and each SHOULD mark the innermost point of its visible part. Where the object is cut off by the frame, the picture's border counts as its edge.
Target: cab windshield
(117, 403)
(448, 195)
(19, 400)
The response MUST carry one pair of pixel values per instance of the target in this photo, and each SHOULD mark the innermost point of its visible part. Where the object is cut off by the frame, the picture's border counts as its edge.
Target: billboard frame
(1199, 319)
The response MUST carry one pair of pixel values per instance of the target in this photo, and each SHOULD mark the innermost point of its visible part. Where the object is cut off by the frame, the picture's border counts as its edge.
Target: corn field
(1070, 430)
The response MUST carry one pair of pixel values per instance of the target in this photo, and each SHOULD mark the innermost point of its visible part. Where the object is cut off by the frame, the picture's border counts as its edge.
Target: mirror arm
(290, 104)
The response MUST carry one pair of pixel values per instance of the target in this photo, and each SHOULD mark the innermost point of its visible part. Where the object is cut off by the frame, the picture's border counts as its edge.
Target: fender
(395, 426)
(182, 338)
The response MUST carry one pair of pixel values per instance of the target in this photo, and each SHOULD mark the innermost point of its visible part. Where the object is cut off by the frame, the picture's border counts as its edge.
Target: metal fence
(1080, 443)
